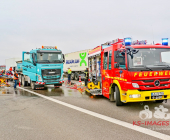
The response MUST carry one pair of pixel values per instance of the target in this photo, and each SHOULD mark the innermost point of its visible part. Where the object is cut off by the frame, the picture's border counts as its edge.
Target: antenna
(152, 35)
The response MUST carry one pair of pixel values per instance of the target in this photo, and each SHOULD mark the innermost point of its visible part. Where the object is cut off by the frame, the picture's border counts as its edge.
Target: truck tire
(24, 83)
(33, 85)
(28, 84)
(72, 76)
(117, 97)
(76, 76)
(159, 101)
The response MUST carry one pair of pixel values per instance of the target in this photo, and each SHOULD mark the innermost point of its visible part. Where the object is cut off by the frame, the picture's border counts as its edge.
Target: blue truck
(41, 67)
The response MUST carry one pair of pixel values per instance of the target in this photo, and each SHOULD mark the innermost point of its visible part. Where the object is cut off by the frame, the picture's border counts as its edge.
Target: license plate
(157, 93)
(51, 72)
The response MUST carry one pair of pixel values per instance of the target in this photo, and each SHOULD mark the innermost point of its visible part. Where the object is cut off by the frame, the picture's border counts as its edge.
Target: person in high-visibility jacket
(10, 69)
(15, 79)
(86, 76)
(69, 75)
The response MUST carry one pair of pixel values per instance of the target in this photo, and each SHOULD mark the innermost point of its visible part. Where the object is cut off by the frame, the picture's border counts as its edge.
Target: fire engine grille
(150, 84)
(162, 80)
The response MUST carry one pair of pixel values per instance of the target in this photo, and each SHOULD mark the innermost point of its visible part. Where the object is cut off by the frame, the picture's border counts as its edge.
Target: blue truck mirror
(63, 59)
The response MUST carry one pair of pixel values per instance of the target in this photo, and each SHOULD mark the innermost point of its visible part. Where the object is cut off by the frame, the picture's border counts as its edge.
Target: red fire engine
(134, 72)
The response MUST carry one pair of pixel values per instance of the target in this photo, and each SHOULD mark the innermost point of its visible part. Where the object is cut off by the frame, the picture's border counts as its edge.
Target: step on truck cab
(134, 71)
(42, 67)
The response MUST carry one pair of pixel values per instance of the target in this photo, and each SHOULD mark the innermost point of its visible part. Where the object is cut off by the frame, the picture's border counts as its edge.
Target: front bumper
(54, 82)
(144, 95)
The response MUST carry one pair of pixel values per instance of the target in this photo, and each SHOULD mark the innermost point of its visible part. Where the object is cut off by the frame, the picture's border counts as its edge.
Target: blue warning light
(127, 41)
(165, 41)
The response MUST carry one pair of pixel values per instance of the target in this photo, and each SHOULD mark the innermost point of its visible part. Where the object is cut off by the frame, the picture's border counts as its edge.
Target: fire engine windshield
(49, 57)
(149, 59)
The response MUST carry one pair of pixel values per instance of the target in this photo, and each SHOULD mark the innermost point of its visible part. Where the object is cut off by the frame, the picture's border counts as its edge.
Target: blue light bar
(127, 41)
(165, 41)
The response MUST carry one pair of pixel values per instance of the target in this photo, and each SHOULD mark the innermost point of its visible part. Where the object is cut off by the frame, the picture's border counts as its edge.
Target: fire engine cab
(134, 71)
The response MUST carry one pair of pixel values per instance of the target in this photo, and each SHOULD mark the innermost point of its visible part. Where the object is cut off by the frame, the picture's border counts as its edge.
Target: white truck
(11, 62)
(77, 62)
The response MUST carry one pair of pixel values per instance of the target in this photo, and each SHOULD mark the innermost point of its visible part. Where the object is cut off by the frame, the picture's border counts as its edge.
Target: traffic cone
(79, 78)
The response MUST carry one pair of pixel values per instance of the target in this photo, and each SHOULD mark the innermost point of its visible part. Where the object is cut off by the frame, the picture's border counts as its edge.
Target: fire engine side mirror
(116, 65)
(116, 56)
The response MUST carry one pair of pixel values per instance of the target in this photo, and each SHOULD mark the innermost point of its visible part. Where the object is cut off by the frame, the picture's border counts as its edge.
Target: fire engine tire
(159, 101)
(111, 96)
(33, 85)
(118, 101)
(76, 76)
(72, 76)
(24, 83)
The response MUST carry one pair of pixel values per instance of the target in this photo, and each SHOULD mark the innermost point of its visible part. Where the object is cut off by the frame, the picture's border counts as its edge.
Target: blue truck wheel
(24, 83)
(33, 85)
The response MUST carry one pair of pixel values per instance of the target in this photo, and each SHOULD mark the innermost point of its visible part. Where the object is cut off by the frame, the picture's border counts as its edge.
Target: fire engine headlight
(135, 85)
(134, 95)
(39, 78)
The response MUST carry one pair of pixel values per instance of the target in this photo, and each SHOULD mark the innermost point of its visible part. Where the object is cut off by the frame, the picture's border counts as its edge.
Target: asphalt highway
(66, 114)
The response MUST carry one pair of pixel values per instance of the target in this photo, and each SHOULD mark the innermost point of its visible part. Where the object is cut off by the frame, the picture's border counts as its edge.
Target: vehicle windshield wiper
(144, 66)
(56, 60)
(43, 60)
(162, 65)
(167, 66)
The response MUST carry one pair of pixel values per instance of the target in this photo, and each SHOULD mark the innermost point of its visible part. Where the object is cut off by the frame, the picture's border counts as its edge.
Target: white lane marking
(106, 118)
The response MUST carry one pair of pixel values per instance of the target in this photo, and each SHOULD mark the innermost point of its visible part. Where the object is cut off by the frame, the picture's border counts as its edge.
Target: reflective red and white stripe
(40, 88)
(40, 83)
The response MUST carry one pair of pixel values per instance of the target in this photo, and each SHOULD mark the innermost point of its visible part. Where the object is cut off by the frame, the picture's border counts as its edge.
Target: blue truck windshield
(49, 58)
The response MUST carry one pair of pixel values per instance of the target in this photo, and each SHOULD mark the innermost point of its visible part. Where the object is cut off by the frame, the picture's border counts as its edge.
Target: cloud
(74, 25)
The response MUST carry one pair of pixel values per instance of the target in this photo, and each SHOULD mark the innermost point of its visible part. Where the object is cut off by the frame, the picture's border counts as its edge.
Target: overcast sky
(74, 25)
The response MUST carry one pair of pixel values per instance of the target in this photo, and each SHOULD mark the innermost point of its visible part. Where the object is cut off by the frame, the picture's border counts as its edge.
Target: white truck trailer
(11, 62)
(77, 62)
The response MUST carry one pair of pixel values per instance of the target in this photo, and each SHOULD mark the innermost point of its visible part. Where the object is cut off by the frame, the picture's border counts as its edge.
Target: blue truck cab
(42, 67)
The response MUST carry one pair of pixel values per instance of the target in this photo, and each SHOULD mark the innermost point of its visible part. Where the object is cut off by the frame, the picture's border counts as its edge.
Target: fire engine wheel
(117, 97)
(72, 76)
(24, 83)
(159, 101)
(33, 85)
(76, 76)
